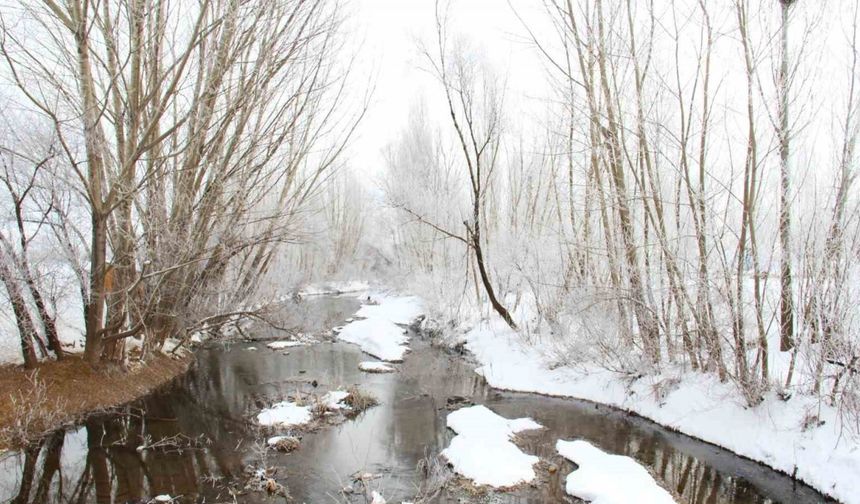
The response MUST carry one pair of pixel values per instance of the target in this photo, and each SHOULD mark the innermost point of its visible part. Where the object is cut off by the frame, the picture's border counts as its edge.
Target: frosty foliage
(639, 227)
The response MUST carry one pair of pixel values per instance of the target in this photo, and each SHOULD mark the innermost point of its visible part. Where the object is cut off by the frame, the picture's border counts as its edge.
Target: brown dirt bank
(35, 402)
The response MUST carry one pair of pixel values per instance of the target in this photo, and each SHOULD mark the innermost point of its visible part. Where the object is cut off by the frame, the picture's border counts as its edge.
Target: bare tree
(474, 99)
(22, 178)
(204, 129)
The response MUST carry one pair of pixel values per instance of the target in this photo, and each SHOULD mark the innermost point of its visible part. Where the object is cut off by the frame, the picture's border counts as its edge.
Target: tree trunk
(786, 340)
(48, 322)
(28, 474)
(95, 305)
(26, 328)
(485, 280)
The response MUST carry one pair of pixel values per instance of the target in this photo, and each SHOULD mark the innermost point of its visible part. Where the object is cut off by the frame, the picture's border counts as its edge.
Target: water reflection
(203, 441)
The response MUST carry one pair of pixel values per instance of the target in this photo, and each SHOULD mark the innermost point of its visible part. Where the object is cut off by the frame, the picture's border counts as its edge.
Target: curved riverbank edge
(36, 402)
(694, 404)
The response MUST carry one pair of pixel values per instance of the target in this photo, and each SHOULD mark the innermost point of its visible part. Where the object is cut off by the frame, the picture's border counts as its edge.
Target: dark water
(202, 421)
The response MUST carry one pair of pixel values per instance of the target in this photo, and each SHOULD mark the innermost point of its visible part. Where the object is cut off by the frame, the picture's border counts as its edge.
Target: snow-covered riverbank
(776, 433)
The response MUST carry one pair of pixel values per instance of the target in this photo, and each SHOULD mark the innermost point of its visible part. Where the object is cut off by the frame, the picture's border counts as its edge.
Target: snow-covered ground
(776, 433)
(377, 331)
(482, 450)
(603, 478)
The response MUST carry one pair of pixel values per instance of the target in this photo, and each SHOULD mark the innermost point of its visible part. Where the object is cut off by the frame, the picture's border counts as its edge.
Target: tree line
(688, 200)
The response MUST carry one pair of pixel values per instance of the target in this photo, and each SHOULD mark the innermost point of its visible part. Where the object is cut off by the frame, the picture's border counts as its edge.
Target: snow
(482, 450)
(603, 478)
(399, 310)
(290, 414)
(377, 333)
(298, 339)
(695, 404)
(280, 345)
(274, 440)
(285, 414)
(379, 338)
(480, 420)
(328, 288)
(375, 367)
(334, 399)
(376, 498)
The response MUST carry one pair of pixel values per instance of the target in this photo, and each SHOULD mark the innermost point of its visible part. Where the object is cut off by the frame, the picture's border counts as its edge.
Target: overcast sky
(390, 31)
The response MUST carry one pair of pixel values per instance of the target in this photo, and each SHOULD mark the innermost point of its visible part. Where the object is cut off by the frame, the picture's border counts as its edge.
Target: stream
(206, 440)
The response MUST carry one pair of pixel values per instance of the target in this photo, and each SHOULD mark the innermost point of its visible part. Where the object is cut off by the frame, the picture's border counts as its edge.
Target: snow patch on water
(285, 414)
(398, 310)
(274, 440)
(603, 478)
(334, 399)
(280, 345)
(375, 367)
(379, 338)
(378, 332)
(482, 450)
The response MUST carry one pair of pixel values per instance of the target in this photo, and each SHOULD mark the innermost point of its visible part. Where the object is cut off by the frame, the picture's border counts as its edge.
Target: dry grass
(359, 400)
(263, 480)
(32, 410)
(320, 408)
(435, 477)
(287, 444)
(322, 414)
(36, 402)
